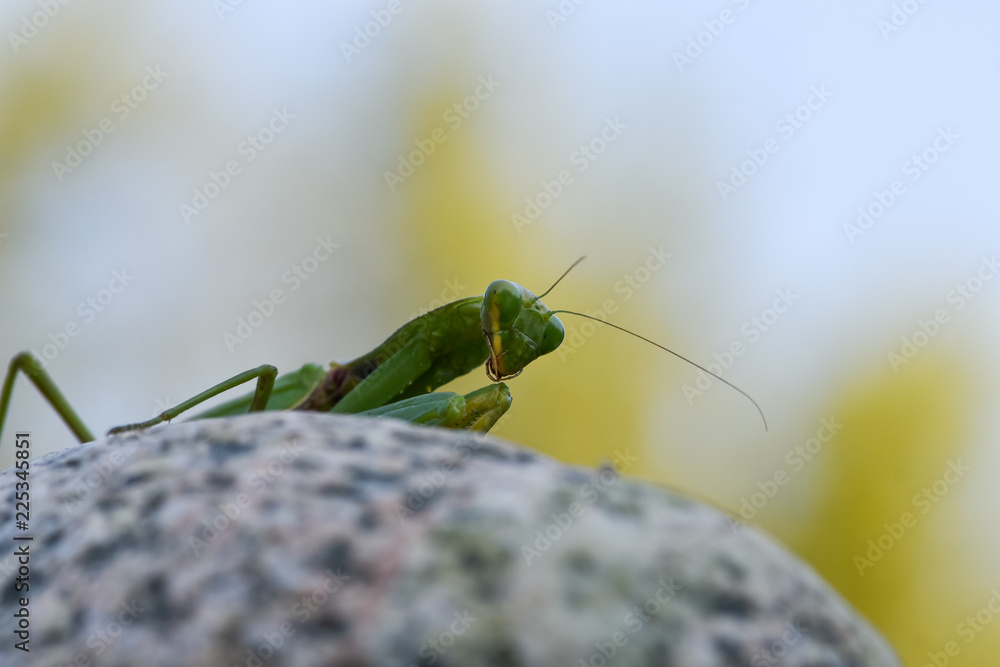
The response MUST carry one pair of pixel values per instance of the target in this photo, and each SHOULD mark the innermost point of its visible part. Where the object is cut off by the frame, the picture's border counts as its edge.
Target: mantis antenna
(632, 333)
(679, 356)
(571, 266)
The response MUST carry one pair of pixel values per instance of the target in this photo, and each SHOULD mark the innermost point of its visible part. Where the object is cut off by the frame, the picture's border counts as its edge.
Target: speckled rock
(308, 539)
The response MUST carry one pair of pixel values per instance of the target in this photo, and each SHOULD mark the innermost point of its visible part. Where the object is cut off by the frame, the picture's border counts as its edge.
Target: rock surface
(308, 539)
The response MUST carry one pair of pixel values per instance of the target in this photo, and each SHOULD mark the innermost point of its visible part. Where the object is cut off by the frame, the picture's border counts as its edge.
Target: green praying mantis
(507, 328)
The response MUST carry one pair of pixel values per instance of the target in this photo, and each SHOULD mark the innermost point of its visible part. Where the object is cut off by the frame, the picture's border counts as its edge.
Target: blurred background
(798, 193)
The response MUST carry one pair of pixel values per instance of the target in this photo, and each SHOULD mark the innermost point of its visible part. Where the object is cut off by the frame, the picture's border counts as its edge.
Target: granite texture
(310, 539)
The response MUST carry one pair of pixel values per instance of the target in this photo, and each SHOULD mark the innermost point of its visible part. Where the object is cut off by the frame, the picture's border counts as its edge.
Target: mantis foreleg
(479, 410)
(388, 380)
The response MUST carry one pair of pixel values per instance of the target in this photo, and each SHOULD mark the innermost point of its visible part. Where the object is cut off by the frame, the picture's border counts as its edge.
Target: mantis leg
(483, 408)
(373, 396)
(479, 410)
(264, 375)
(388, 380)
(31, 367)
(288, 390)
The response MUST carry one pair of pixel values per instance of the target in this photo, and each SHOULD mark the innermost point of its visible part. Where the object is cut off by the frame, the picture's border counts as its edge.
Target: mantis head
(518, 329)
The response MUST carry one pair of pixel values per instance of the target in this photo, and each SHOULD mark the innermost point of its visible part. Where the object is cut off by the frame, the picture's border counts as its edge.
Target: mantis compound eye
(502, 303)
(552, 336)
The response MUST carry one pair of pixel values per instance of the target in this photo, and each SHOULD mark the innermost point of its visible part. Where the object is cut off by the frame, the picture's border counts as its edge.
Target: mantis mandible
(507, 328)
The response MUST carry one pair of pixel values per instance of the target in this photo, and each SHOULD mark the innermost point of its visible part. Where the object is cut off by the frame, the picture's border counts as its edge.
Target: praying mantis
(507, 328)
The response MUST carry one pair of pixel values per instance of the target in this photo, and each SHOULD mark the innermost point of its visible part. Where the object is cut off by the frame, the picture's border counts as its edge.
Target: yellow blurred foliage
(47, 96)
(901, 449)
